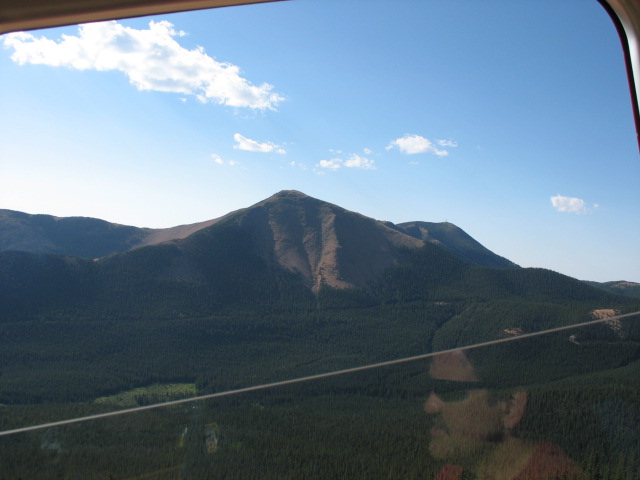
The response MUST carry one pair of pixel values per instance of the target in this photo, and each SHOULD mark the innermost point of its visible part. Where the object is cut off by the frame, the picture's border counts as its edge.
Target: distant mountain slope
(276, 254)
(455, 240)
(621, 287)
(320, 241)
(323, 243)
(80, 236)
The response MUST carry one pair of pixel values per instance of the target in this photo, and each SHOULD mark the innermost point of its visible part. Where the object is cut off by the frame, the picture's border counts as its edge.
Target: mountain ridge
(287, 251)
(328, 246)
(252, 289)
(86, 237)
(621, 287)
(313, 251)
(456, 241)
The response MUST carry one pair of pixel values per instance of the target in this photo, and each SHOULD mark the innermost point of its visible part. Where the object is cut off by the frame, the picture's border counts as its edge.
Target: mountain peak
(290, 194)
(285, 197)
(323, 243)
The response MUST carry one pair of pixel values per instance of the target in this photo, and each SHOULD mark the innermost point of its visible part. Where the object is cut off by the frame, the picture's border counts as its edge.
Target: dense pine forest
(213, 312)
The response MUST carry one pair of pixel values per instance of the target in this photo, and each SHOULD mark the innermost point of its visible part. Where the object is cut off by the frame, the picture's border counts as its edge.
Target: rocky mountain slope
(283, 251)
(323, 243)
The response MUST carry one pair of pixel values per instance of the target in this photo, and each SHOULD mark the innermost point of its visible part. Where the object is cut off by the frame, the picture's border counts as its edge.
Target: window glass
(507, 125)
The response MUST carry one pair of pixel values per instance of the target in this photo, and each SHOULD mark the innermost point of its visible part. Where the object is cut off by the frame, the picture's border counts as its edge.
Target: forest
(366, 425)
(77, 337)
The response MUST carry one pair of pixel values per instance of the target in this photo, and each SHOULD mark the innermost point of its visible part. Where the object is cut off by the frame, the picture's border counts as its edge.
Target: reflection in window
(399, 113)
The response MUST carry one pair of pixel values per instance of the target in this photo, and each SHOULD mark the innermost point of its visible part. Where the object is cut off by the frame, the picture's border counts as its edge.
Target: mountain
(323, 243)
(81, 236)
(621, 287)
(288, 250)
(292, 284)
(456, 241)
(289, 287)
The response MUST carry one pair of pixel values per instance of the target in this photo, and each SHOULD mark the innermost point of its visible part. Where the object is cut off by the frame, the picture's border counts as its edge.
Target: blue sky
(511, 120)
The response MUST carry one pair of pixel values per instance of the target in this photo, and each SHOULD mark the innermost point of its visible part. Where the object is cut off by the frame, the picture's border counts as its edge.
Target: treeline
(221, 271)
(79, 355)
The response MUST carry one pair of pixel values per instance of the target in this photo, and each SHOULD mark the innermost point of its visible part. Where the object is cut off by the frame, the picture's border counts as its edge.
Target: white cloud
(412, 144)
(356, 161)
(569, 204)
(219, 161)
(333, 164)
(447, 143)
(244, 143)
(152, 60)
(367, 151)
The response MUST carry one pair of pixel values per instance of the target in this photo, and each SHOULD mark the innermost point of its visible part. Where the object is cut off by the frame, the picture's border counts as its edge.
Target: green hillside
(77, 236)
(221, 309)
(630, 289)
(74, 329)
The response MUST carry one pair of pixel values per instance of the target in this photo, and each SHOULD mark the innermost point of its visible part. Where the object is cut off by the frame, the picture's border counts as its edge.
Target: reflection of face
(465, 427)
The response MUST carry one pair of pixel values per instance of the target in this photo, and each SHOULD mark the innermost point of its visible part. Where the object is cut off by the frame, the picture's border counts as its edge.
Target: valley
(289, 287)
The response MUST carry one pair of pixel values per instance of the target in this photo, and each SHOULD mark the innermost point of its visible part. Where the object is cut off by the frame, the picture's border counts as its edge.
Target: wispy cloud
(358, 161)
(570, 204)
(333, 164)
(219, 161)
(447, 143)
(244, 143)
(353, 161)
(411, 144)
(152, 59)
